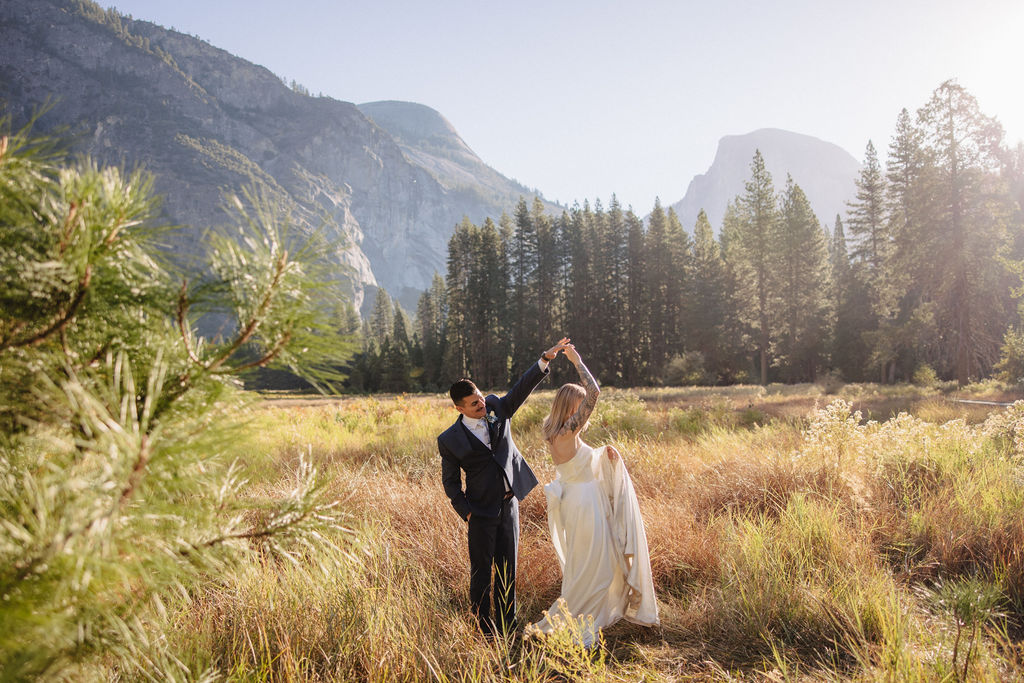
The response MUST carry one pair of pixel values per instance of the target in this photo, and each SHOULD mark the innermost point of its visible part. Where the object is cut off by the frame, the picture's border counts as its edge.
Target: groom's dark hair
(461, 389)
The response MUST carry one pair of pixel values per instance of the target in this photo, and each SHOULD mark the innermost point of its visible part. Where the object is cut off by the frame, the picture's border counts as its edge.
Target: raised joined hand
(553, 351)
(572, 354)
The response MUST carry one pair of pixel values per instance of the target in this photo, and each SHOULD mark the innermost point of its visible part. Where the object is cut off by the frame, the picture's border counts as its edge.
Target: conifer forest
(921, 275)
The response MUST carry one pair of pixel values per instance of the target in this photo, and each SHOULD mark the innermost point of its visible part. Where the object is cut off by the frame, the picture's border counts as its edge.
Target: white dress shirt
(478, 427)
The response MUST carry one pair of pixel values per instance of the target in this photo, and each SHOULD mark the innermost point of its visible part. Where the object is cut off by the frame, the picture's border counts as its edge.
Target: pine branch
(257, 317)
(182, 313)
(68, 229)
(135, 477)
(261, 362)
(62, 321)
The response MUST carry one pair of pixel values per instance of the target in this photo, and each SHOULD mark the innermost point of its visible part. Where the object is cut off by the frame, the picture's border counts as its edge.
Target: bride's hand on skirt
(612, 453)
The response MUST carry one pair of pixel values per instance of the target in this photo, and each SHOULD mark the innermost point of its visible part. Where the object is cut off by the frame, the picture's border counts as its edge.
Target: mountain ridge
(204, 121)
(825, 171)
(430, 141)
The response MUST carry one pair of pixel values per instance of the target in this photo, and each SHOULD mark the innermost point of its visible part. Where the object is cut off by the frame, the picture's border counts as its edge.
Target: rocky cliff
(203, 121)
(430, 142)
(825, 172)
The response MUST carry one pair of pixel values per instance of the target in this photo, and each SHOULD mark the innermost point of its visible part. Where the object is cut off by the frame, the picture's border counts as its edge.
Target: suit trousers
(493, 544)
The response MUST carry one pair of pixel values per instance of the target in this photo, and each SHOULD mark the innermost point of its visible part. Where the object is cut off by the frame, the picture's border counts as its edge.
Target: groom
(497, 478)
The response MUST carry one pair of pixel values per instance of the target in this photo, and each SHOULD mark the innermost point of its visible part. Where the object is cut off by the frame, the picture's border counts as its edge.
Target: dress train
(599, 538)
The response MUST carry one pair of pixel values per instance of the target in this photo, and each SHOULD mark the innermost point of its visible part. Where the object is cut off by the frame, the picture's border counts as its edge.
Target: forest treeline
(921, 275)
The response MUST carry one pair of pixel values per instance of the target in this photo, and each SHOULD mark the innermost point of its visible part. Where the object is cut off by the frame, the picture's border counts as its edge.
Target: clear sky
(584, 98)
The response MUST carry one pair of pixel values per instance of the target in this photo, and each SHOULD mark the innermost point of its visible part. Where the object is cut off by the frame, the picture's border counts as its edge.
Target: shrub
(688, 368)
(1010, 367)
(689, 421)
(925, 376)
(831, 382)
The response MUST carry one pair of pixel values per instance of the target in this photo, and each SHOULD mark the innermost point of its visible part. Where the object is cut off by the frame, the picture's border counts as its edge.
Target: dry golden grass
(790, 539)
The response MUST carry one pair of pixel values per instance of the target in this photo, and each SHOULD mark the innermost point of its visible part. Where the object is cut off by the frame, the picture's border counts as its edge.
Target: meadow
(805, 532)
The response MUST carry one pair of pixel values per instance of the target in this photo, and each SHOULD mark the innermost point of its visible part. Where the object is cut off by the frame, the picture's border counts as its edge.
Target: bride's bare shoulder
(562, 448)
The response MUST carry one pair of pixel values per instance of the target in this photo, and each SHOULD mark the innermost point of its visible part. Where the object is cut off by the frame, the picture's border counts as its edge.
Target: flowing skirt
(601, 545)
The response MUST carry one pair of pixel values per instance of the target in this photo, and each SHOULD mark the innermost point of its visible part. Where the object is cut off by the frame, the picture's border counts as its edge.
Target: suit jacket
(487, 470)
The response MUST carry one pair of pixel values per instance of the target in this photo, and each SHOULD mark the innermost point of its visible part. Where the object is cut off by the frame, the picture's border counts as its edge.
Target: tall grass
(790, 536)
(358, 613)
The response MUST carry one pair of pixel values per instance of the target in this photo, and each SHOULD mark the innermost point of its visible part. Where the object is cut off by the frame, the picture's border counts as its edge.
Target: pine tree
(549, 265)
(560, 372)
(488, 343)
(431, 323)
(1013, 170)
(400, 328)
(852, 305)
(477, 343)
(523, 309)
(839, 258)
(889, 333)
(755, 258)
(381, 322)
(119, 422)
(637, 336)
(600, 291)
(396, 352)
(610, 258)
(678, 281)
(872, 255)
(904, 167)
(458, 295)
(581, 303)
(804, 288)
(661, 308)
(971, 211)
(349, 324)
(667, 262)
(708, 300)
(742, 366)
(867, 220)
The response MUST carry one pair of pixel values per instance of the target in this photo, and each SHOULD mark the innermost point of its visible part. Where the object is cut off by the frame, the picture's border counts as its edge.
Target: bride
(595, 524)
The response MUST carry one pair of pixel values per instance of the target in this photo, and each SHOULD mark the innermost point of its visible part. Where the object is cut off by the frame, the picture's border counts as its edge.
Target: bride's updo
(567, 400)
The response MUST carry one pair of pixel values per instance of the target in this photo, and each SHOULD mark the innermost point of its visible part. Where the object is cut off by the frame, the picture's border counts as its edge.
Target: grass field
(867, 533)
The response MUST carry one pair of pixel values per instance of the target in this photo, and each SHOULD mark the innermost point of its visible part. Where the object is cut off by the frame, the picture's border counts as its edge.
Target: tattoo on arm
(582, 414)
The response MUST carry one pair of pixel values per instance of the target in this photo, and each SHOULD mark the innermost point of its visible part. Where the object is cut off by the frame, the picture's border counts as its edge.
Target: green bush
(925, 376)
(690, 421)
(687, 369)
(1010, 367)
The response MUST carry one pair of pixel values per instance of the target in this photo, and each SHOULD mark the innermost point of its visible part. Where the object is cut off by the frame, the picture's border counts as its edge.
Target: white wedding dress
(601, 545)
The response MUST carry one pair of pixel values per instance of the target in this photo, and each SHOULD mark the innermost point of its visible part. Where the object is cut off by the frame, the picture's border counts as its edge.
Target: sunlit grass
(792, 536)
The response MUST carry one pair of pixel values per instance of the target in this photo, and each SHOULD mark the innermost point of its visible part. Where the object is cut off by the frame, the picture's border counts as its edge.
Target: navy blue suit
(494, 525)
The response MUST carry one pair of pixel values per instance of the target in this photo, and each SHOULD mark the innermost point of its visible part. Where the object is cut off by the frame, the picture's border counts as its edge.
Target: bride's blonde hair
(567, 400)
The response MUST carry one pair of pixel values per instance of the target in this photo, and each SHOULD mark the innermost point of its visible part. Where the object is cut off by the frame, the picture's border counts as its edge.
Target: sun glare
(991, 61)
